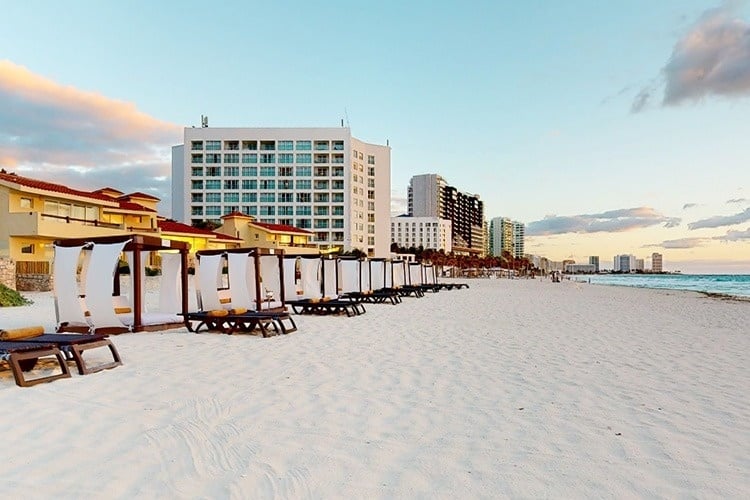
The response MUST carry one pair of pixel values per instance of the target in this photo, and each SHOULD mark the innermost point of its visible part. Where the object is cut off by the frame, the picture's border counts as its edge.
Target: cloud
(83, 139)
(738, 200)
(712, 58)
(681, 243)
(611, 221)
(735, 236)
(689, 205)
(721, 220)
(399, 204)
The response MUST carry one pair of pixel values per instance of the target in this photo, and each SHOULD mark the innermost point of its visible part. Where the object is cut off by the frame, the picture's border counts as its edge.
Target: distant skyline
(606, 127)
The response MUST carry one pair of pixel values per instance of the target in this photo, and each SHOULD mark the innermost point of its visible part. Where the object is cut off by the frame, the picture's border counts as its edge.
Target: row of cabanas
(88, 295)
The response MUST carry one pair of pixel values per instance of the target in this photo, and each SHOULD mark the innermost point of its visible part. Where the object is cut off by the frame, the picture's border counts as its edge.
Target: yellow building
(263, 235)
(35, 213)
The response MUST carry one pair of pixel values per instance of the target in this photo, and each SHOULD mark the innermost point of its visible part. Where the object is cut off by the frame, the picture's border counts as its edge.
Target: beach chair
(309, 297)
(23, 356)
(399, 280)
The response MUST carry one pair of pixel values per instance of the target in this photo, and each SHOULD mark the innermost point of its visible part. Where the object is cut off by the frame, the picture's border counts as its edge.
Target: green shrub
(10, 297)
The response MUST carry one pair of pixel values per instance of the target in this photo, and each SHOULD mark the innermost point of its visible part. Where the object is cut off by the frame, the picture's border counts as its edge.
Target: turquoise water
(729, 284)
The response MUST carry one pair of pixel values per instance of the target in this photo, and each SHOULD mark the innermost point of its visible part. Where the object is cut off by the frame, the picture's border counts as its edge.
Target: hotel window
(371, 171)
(196, 211)
(304, 146)
(213, 171)
(231, 171)
(337, 197)
(370, 195)
(213, 158)
(303, 171)
(196, 145)
(321, 236)
(285, 172)
(338, 145)
(249, 157)
(286, 145)
(371, 205)
(231, 158)
(196, 158)
(286, 197)
(286, 222)
(286, 184)
(370, 217)
(370, 228)
(321, 145)
(231, 184)
(337, 158)
(321, 184)
(249, 145)
(213, 210)
(321, 197)
(250, 197)
(337, 171)
(287, 210)
(250, 210)
(231, 197)
(267, 145)
(337, 210)
(337, 185)
(196, 184)
(213, 197)
(304, 184)
(302, 210)
(360, 156)
(228, 209)
(304, 158)
(28, 248)
(321, 210)
(248, 184)
(267, 197)
(321, 158)
(304, 223)
(26, 203)
(286, 158)
(196, 197)
(249, 171)
(267, 158)
(197, 171)
(213, 145)
(267, 184)
(320, 224)
(337, 223)
(268, 171)
(370, 160)
(267, 210)
(321, 171)
(232, 145)
(371, 183)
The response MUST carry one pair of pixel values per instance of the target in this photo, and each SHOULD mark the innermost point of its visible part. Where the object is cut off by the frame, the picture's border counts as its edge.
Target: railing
(86, 222)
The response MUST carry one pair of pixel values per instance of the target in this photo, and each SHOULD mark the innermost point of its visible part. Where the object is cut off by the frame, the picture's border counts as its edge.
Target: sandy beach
(510, 389)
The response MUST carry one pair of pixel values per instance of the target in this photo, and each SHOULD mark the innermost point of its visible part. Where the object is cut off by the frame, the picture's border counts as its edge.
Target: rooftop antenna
(204, 121)
(347, 118)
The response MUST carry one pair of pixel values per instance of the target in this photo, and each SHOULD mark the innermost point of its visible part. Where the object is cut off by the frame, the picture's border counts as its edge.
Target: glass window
(267, 184)
(286, 158)
(249, 198)
(196, 210)
(231, 158)
(337, 197)
(197, 171)
(267, 145)
(249, 171)
(268, 171)
(196, 145)
(286, 197)
(321, 184)
(196, 158)
(337, 171)
(267, 197)
(196, 197)
(251, 210)
(338, 145)
(304, 158)
(286, 210)
(213, 210)
(213, 197)
(267, 210)
(249, 145)
(231, 197)
(286, 184)
(304, 145)
(267, 158)
(321, 145)
(232, 145)
(303, 171)
(213, 171)
(213, 158)
(304, 184)
(249, 184)
(249, 157)
(196, 184)
(231, 171)
(321, 210)
(304, 223)
(303, 211)
(213, 145)
(285, 172)
(321, 158)
(321, 197)
(231, 184)
(286, 145)
(337, 210)
(337, 185)
(370, 160)
(303, 198)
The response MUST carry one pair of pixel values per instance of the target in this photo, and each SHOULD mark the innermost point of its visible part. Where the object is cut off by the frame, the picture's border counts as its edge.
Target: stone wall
(8, 272)
(34, 282)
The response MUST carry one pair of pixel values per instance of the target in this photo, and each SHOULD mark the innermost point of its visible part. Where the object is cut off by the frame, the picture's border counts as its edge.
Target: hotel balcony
(55, 226)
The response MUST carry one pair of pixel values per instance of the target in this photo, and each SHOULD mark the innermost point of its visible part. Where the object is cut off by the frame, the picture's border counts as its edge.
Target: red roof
(236, 214)
(54, 188)
(128, 205)
(171, 226)
(280, 228)
(138, 194)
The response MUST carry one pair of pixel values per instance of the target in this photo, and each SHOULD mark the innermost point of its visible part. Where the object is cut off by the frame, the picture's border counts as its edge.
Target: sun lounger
(72, 345)
(225, 321)
(334, 306)
(23, 356)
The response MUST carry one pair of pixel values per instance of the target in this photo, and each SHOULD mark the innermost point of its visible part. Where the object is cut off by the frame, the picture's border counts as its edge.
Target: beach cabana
(97, 305)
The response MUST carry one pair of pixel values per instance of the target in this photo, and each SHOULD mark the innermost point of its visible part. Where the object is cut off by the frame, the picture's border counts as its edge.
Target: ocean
(728, 284)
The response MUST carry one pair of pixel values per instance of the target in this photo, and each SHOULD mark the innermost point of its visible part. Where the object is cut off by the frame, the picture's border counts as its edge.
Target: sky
(606, 127)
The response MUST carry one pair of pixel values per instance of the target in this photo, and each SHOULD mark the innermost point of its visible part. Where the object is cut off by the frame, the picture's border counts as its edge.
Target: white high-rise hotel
(319, 179)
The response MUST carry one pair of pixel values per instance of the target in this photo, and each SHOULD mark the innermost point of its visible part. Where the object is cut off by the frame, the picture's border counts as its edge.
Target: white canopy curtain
(170, 285)
(377, 274)
(415, 273)
(270, 276)
(310, 277)
(242, 279)
(208, 274)
(330, 275)
(349, 275)
(291, 290)
(399, 273)
(364, 276)
(130, 300)
(388, 274)
(100, 285)
(68, 306)
(428, 275)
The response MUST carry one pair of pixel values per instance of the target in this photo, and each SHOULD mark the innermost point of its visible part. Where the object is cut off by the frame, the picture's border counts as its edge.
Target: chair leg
(17, 359)
(77, 351)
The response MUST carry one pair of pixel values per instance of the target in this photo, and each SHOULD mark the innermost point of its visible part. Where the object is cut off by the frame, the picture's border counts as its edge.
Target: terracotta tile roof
(138, 194)
(53, 188)
(171, 226)
(280, 228)
(236, 214)
(128, 205)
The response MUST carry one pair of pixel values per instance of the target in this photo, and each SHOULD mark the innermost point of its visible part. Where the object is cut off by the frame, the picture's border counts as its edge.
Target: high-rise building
(594, 261)
(426, 232)
(507, 235)
(624, 263)
(319, 179)
(430, 196)
(657, 262)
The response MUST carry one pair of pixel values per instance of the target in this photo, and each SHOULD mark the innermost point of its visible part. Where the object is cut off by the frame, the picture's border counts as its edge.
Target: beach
(508, 389)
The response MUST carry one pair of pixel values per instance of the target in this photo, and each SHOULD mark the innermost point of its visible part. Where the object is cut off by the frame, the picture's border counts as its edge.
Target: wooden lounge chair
(229, 322)
(23, 356)
(71, 345)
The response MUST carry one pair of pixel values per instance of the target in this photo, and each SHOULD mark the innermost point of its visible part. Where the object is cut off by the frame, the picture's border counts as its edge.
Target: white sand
(519, 389)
